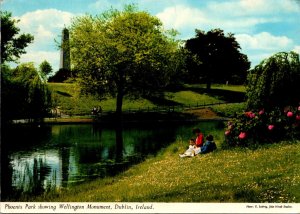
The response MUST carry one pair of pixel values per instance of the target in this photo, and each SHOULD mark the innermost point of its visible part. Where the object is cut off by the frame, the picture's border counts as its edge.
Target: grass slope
(67, 96)
(268, 174)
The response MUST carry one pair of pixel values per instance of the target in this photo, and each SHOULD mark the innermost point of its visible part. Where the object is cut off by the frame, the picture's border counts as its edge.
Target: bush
(274, 82)
(252, 128)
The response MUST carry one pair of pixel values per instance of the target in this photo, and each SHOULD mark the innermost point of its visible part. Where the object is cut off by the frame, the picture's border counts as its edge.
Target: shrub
(257, 127)
(274, 82)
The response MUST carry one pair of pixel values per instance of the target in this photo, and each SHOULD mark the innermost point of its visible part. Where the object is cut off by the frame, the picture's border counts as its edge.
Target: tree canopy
(275, 82)
(216, 57)
(13, 43)
(122, 53)
(45, 69)
(24, 95)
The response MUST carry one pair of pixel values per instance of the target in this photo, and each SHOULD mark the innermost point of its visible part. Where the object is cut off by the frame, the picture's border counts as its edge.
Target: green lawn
(267, 174)
(67, 96)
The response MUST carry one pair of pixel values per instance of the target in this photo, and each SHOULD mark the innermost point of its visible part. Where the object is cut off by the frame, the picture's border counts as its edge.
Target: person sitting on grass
(199, 140)
(209, 145)
(190, 151)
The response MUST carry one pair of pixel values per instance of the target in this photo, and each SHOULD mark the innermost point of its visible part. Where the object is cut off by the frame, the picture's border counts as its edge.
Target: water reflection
(41, 159)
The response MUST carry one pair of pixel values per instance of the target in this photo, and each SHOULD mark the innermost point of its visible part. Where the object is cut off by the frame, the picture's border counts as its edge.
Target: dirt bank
(204, 113)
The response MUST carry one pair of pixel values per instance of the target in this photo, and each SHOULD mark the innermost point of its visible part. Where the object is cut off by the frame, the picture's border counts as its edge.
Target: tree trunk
(120, 95)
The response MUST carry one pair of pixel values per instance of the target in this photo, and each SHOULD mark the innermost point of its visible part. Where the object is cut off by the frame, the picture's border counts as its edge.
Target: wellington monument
(65, 51)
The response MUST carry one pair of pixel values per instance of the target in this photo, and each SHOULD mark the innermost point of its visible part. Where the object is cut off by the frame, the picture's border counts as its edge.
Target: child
(209, 145)
(199, 137)
(190, 151)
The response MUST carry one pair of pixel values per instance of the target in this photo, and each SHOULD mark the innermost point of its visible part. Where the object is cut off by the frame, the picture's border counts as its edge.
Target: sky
(261, 27)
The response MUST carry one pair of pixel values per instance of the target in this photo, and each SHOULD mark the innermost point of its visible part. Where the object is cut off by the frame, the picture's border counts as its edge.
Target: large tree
(216, 57)
(122, 53)
(13, 43)
(274, 82)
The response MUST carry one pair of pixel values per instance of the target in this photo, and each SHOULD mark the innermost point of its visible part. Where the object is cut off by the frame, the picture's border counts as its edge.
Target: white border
(107, 207)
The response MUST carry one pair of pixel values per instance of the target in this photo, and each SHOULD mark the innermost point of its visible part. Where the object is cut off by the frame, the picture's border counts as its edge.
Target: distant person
(209, 145)
(190, 151)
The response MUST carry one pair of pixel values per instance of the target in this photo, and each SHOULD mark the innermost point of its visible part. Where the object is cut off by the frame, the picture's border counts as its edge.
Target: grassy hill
(267, 174)
(67, 96)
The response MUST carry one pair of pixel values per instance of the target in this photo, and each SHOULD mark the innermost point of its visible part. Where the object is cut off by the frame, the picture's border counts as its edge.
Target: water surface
(36, 159)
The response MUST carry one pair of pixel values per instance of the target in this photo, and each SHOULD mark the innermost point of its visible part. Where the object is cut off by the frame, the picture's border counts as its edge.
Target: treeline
(135, 58)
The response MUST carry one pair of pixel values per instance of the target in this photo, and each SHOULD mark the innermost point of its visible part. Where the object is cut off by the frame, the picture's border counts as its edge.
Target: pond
(41, 158)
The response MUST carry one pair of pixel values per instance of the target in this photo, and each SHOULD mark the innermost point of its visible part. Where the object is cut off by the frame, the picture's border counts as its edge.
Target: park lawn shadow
(222, 94)
(65, 94)
(162, 101)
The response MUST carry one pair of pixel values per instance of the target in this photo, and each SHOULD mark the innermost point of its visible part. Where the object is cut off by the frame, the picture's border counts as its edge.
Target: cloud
(37, 57)
(49, 18)
(264, 41)
(263, 45)
(297, 49)
(241, 16)
(45, 26)
(182, 17)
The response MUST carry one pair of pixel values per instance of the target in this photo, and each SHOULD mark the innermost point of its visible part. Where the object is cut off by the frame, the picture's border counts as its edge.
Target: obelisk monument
(65, 51)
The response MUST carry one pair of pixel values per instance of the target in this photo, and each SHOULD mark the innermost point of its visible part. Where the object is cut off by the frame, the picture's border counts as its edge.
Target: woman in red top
(200, 137)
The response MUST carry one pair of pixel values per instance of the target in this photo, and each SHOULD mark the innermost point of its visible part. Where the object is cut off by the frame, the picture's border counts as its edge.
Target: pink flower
(271, 127)
(227, 132)
(261, 112)
(299, 108)
(290, 114)
(297, 117)
(250, 114)
(242, 135)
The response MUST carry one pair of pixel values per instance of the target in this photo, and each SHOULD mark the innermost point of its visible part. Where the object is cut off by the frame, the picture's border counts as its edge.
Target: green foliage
(122, 53)
(24, 94)
(215, 57)
(274, 82)
(45, 69)
(12, 44)
(253, 128)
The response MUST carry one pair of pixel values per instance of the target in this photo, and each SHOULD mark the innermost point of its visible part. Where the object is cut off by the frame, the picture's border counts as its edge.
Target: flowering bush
(263, 127)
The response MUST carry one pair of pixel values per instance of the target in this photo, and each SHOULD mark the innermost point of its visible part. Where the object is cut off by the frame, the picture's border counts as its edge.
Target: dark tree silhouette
(13, 44)
(216, 57)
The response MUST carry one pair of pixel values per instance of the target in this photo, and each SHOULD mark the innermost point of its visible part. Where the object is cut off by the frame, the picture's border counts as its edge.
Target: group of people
(198, 146)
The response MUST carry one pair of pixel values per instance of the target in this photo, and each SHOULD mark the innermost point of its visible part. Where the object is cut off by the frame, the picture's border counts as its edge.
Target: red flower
(242, 135)
(252, 115)
(248, 113)
(298, 117)
(290, 114)
(271, 127)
